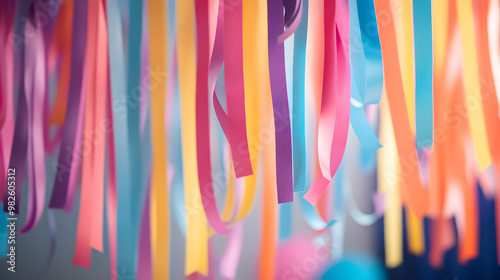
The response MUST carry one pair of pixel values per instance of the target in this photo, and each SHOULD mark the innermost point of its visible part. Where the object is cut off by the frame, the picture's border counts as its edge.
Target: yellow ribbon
(406, 53)
(196, 222)
(471, 82)
(388, 183)
(159, 196)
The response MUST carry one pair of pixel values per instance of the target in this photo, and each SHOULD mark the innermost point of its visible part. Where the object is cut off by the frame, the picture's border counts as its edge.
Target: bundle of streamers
(146, 117)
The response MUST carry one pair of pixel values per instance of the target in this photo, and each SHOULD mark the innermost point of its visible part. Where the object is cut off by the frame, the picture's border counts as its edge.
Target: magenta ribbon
(35, 66)
(66, 160)
(235, 89)
(335, 103)
(202, 118)
(283, 135)
(20, 141)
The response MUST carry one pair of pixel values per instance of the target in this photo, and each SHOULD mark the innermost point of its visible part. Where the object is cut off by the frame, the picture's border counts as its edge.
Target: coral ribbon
(413, 193)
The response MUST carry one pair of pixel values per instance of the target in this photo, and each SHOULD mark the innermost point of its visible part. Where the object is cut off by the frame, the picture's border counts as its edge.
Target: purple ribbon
(66, 161)
(283, 136)
(20, 142)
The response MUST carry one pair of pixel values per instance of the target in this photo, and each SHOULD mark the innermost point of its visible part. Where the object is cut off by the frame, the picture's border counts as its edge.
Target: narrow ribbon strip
(160, 227)
(422, 30)
(298, 108)
(196, 236)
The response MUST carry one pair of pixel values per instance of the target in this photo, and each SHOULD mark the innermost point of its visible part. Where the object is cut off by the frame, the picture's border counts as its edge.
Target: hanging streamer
(196, 237)
(414, 194)
(365, 57)
(276, 53)
(235, 89)
(67, 163)
(422, 30)
(159, 194)
(336, 97)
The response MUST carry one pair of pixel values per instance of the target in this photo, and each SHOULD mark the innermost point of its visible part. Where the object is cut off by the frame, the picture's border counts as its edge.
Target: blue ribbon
(298, 105)
(127, 226)
(338, 229)
(366, 69)
(422, 30)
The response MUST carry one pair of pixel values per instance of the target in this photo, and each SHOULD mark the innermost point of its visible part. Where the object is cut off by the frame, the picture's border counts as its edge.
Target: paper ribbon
(20, 140)
(90, 222)
(335, 99)
(414, 194)
(471, 80)
(196, 238)
(366, 69)
(66, 162)
(235, 89)
(111, 196)
(159, 194)
(202, 119)
(133, 97)
(406, 37)
(298, 107)
(35, 67)
(422, 30)
(387, 182)
(489, 100)
(283, 138)
(127, 219)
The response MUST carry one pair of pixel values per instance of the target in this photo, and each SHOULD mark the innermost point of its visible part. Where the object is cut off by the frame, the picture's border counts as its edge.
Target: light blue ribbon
(366, 75)
(422, 22)
(127, 227)
(298, 105)
(338, 229)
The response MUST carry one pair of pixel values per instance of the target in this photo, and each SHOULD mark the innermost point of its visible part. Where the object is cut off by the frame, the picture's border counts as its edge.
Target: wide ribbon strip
(127, 219)
(414, 193)
(235, 88)
(67, 162)
(202, 119)
(283, 138)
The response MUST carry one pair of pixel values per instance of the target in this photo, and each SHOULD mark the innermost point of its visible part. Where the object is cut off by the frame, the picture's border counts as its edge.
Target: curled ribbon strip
(336, 96)
(202, 119)
(366, 67)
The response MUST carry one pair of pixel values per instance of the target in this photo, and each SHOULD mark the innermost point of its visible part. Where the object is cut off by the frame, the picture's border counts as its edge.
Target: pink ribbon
(335, 103)
(202, 118)
(235, 89)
